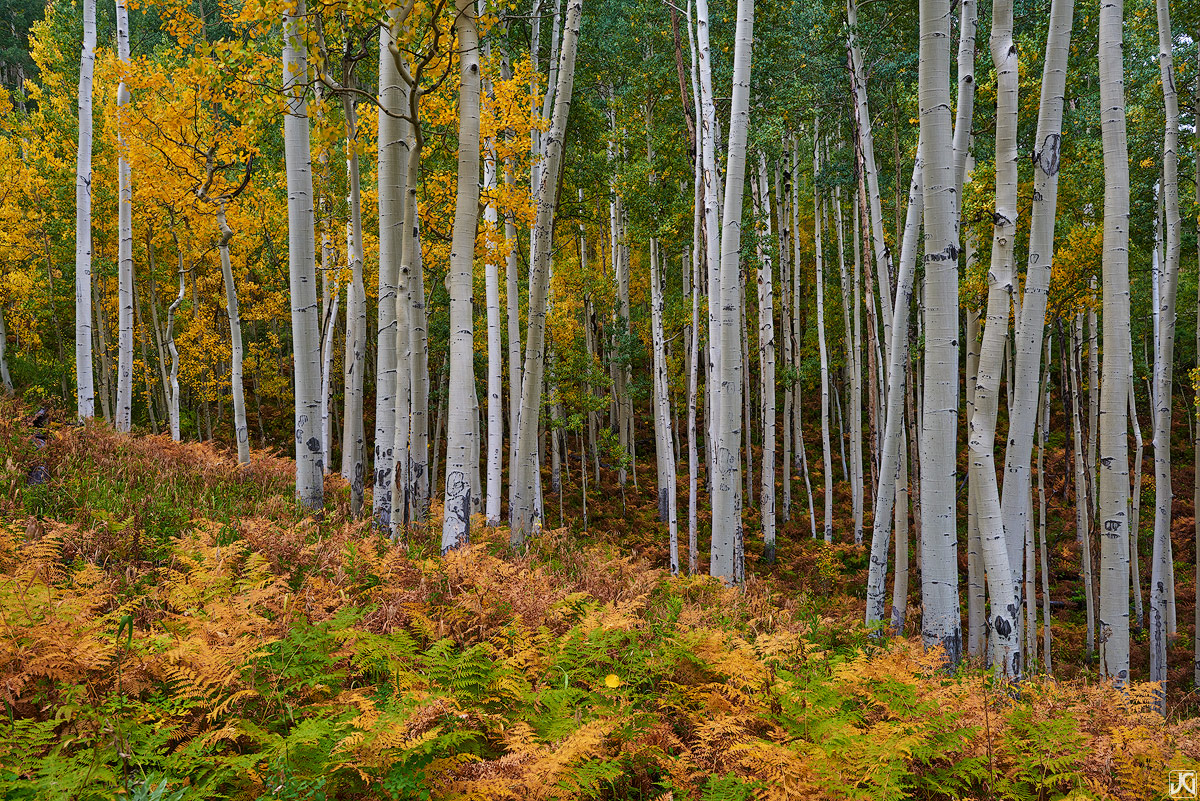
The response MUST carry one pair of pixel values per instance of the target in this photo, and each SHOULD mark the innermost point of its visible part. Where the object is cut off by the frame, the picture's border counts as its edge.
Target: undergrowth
(175, 628)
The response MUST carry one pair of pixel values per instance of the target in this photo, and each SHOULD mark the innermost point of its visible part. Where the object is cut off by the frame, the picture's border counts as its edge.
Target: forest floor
(176, 627)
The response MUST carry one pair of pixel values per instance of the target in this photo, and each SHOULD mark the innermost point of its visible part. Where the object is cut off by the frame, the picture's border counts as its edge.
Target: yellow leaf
(612, 680)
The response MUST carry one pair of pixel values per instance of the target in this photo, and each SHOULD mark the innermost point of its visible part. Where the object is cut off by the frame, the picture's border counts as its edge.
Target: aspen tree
(1114, 467)
(123, 414)
(826, 453)
(306, 322)
(939, 431)
(353, 439)
(1135, 576)
(1082, 506)
(461, 414)
(525, 510)
(85, 390)
(495, 355)
(766, 359)
(1164, 362)
(1031, 323)
(1196, 440)
(727, 552)
(393, 172)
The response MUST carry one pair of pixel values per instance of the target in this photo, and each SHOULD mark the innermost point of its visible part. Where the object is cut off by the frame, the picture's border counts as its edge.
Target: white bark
(306, 311)
(240, 430)
(1114, 469)
(667, 479)
(766, 359)
(1030, 326)
(123, 414)
(1082, 506)
(495, 346)
(939, 430)
(5, 378)
(1161, 574)
(1135, 574)
(353, 441)
(892, 454)
(460, 420)
(707, 131)
(826, 451)
(727, 551)
(85, 389)
(333, 302)
(525, 493)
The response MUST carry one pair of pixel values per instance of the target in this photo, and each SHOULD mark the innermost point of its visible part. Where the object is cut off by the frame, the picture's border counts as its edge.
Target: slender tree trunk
(1082, 505)
(173, 396)
(123, 418)
(766, 360)
(826, 451)
(333, 299)
(524, 511)
(85, 390)
(5, 378)
(712, 231)
(727, 557)
(976, 592)
(941, 625)
(393, 175)
(456, 526)
(1135, 572)
(353, 440)
(1196, 441)
(1114, 445)
(241, 431)
(495, 346)
(1043, 434)
(306, 321)
(662, 412)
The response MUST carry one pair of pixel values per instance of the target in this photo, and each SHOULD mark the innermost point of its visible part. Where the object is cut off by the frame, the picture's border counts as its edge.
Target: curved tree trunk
(240, 430)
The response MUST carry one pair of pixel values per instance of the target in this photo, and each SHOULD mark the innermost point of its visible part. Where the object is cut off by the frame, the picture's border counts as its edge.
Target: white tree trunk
(85, 389)
(766, 360)
(712, 224)
(826, 451)
(123, 416)
(1135, 573)
(1028, 343)
(1161, 573)
(495, 346)
(353, 442)
(525, 494)
(939, 431)
(393, 175)
(333, 302)
(306, 311)
(456, 525)
(1082, 505)
(892, 453)
(5, 379)
(727, 551)
(1114, 446)
(240, 430)
(667, 479)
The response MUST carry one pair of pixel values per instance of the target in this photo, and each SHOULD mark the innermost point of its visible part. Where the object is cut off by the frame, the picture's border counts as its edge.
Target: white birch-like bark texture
(1135, 574)
(525, 508)
(393, 174)
(1196, 441)
(173, 397)
(862, 113)
(123, 414)
(495, 345)
(240, 430)
(823, 352)
(892, 453)
(727, 559)
(1164, 360)
(712, 221)
(353, 442)
(766, 360)
(85, 389)
(461, 416)
(1082, 505)
(1005, 593)
(412, 272)
(854, 395)
(333, 304)
(5, 379)
(940, 625)
(306, 311)
(665, 452)
(1114, 446)
(1030, 327)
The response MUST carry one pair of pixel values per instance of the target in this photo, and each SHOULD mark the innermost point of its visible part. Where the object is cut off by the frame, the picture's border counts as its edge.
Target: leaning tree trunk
(727, 551)
(1164, 360)
(456, 523)
(241, 432)
(525, 485)
(1114, 393)
(306, 322)
(353, 442)
(123, 417)
(85, 389)
(1028, 343)
(940, 625)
